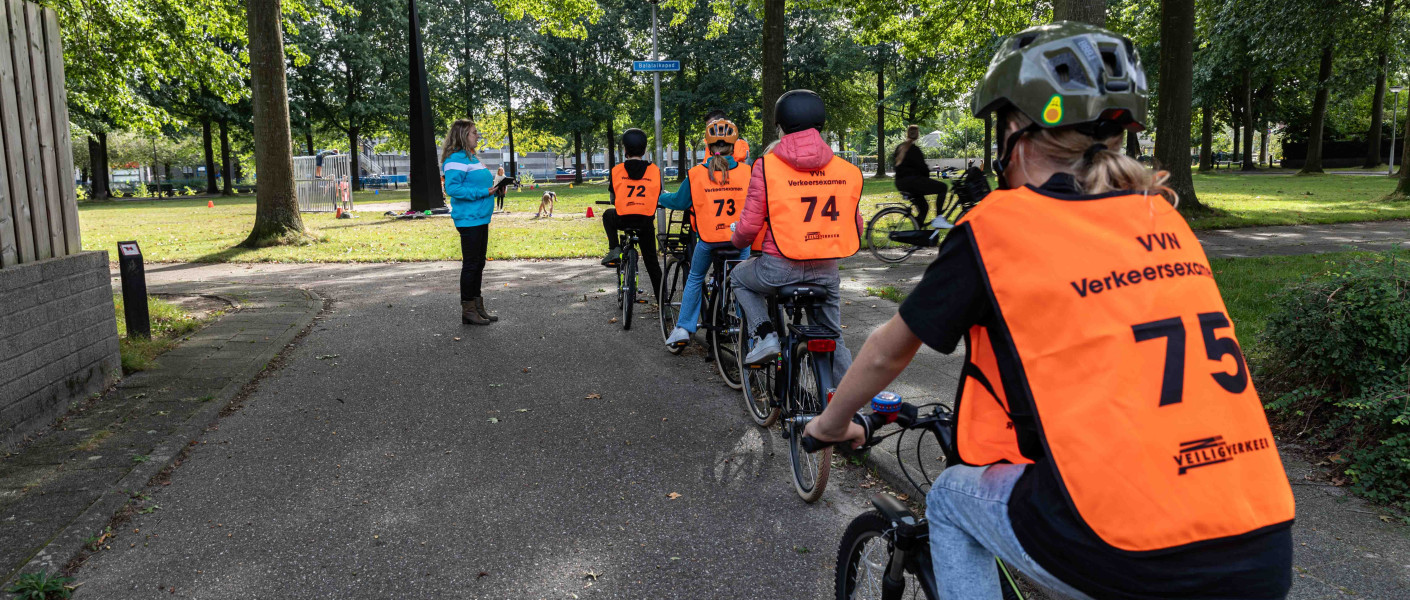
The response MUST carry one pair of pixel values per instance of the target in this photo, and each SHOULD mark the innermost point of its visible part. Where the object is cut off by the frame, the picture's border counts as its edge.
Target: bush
(1338, 360)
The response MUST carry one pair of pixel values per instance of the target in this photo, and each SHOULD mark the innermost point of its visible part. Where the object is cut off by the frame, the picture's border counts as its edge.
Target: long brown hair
(912, 134)
(1108, 170)
(458, 138)
(718, 161)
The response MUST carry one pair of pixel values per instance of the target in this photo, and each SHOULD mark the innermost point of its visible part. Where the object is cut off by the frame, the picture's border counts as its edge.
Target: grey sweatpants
(755, 279)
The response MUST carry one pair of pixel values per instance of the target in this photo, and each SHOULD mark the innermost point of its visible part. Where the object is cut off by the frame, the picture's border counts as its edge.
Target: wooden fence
(38, 209)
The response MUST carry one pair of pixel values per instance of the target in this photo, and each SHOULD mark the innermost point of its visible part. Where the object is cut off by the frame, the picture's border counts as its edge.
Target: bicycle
(717, 299)
(627, 276)
(894, 233)
(674, 239)
(885, 551)
(796, 387)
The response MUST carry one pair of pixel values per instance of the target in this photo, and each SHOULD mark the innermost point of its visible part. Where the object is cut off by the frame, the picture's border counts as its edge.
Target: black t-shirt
(951, 298)
(913, 164)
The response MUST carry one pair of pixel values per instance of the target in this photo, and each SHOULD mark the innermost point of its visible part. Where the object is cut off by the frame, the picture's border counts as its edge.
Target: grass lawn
(187, 231)
(169, 325)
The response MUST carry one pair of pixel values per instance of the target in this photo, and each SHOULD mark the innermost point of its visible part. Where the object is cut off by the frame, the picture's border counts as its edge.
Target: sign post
(134, 291)
(656, 85)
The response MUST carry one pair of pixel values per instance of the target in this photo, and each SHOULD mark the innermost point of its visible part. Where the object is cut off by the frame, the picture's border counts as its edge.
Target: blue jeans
(968, 510)
(695, 283)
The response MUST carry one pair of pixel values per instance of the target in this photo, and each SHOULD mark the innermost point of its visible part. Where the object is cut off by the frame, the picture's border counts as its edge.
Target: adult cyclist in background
(714, 193)
(634, 185)
(809, 198)
(741, 147)
(1109, 442)
(913, 175)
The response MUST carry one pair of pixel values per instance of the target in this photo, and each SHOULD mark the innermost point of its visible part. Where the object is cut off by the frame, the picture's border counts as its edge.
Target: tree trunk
(1378, 101)
(1206, 139)
(225, 171)
(1237, 124)
(211, 187)
(1263, 144)
(1249, 165)
(577, 157)
(1133, 144)
(1172, 146)
(1086, 11)
(1319, 114)
(681, 165)
(880, 113)
(354, 158)
(98, 164)
(988, 143)
(308, 134)
(276, 207)
(775, 36)
(1402, 189)
(611, 147)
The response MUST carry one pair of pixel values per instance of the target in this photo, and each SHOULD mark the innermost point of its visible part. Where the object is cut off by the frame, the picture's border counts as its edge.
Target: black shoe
(612, 256)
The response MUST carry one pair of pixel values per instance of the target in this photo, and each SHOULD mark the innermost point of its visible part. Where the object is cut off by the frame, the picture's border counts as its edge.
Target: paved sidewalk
(59, 492)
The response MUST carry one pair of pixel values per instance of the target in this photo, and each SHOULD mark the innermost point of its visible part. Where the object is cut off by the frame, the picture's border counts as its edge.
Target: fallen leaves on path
(593, 397)
(673, 495)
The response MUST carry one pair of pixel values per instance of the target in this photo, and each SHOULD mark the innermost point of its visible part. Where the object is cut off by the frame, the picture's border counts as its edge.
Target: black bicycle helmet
(634, 142)
(798, 110)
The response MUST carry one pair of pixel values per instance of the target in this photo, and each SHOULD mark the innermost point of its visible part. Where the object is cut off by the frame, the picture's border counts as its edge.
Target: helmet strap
(1001, 163)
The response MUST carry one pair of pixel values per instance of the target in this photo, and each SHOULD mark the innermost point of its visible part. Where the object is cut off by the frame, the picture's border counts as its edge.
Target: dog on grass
(546, 204)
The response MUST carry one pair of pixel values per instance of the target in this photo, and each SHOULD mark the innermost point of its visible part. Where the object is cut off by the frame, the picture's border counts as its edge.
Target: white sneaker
(764, 350)
(940, 222)
(679, 337)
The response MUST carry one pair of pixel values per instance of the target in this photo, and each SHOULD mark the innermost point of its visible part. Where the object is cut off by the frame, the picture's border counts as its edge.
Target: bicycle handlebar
(605, 202)
(905, 417)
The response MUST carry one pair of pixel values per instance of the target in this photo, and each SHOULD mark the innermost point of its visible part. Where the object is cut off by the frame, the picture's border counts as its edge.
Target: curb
(69, 543)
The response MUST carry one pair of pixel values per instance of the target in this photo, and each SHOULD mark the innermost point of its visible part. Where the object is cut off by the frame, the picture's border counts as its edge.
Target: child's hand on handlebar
(822, 428)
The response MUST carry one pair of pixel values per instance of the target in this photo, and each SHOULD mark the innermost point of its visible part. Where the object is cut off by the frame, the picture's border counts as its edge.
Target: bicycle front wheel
(862, 558)
(668, 304)
(629, 287)
(725, 326)
(756, 383)
(896, 219)
(810, 471)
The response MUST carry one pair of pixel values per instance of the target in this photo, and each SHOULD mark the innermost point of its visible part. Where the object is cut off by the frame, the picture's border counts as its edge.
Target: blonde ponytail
(912, 134)
(1099, 165)
(718, 161)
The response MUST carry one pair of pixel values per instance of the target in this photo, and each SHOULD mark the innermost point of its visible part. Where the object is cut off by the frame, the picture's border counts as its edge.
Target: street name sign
(655, 66)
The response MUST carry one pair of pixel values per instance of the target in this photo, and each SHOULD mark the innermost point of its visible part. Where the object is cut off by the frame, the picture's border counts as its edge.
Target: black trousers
(646, 226)
(919, 188)
(474, 242)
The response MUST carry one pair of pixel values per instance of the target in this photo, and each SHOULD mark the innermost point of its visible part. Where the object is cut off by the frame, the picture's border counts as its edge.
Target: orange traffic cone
(210, 203)
(589, 213)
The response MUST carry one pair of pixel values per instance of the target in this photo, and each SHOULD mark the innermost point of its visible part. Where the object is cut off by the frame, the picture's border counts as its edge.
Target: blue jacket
(680, 199)
(468, 185)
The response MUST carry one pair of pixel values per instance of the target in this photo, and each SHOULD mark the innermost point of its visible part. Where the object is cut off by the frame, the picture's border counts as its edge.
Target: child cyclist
(809, 199)
(1078, 389)
(714, 194)
(635, 186)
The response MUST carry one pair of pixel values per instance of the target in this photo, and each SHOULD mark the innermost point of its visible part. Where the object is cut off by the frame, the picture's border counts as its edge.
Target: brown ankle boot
(470, 316)
(484, 314)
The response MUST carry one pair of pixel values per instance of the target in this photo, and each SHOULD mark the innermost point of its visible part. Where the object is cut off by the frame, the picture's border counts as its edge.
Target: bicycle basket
(972, 187)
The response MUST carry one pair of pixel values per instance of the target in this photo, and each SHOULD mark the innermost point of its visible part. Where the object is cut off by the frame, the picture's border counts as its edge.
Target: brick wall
(58, 339)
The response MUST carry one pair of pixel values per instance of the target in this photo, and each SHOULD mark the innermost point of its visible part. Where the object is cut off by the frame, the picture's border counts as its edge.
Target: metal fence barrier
(326, 189)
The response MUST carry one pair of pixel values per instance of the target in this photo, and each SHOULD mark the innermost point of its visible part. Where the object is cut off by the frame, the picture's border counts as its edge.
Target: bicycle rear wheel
(724, 328)
(896, 219)
(757, 383)
(810, 471)
(669, 301)
(629, 287)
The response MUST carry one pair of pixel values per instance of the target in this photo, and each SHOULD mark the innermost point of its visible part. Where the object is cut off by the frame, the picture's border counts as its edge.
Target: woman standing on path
(470, 187)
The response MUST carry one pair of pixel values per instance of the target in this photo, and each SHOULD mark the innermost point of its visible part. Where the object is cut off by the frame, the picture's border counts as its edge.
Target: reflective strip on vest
(813, 214)
(1127, 355)
(717, 204)
(636, 196)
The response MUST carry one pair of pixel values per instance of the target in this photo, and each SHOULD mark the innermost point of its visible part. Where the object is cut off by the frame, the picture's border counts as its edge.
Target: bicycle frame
(787, 318)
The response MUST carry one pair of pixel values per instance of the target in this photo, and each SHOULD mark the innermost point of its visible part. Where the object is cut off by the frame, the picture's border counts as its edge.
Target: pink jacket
(804, 150)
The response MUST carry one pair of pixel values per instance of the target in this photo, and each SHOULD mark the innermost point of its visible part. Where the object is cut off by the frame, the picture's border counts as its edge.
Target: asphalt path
(400, 454)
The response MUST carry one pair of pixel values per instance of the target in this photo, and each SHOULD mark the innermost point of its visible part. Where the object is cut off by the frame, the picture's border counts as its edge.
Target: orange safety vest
(636, 196)
(715, 205)
(1128, 362)
(813, 214)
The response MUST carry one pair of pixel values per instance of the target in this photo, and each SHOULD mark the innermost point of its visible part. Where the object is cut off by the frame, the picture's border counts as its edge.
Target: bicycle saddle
(803, 292)
(725, 253)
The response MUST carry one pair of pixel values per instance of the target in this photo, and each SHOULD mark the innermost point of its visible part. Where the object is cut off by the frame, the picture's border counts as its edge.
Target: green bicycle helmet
(1067, 74)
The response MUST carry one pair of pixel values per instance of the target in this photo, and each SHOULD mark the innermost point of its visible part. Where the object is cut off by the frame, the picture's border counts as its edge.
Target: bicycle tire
(629, 257)
(864, 543)
(668, 305)
(756, 385)
(879, 228)
(724, 323)
(810, 471)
